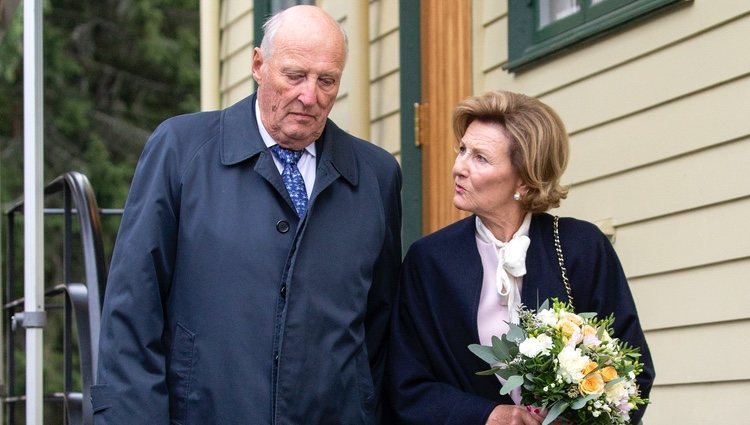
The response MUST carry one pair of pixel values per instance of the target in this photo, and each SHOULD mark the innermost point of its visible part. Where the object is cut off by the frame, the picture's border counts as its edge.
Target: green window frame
(528, 42)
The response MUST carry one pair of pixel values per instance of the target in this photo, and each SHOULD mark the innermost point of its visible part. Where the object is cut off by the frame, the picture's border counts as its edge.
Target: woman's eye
(462, 150)
(481, 158)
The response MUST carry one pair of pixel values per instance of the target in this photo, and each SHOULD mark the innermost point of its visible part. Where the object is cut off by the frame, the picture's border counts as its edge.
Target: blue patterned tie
(293, 181)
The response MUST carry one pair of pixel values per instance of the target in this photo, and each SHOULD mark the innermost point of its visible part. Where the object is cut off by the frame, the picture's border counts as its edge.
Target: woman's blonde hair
(538, 141)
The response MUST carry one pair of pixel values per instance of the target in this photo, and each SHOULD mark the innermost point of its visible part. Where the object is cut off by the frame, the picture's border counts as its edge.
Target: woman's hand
(519, 415)
(505, 414)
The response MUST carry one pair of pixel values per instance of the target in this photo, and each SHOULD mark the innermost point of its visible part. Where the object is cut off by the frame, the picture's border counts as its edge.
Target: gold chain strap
(558, 249)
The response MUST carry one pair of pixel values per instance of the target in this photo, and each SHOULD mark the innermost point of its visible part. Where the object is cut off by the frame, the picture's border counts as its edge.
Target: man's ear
(257, 64)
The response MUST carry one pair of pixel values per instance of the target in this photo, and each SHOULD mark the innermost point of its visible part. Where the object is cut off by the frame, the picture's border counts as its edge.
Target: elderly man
(255, 267)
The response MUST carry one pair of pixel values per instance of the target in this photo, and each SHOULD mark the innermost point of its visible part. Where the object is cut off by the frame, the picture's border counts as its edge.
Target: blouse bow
(511, 261)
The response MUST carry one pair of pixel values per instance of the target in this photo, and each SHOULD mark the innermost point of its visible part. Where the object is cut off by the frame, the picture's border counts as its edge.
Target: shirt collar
(268, 140)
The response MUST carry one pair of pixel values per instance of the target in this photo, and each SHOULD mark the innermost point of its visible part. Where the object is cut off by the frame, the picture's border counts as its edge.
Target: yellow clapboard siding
(236, 69)
(494, 48)
(384, 17)
(386, 133)
(237, 36)
(387, 100)
(665, 187)
(384, 56)
(723, 403)
(231, 10)
(687, 124)
(338, 9)
(341, 110)
(656, 78)
(705, 236)
(612, 51)
(708, 353)
(237, 92)
(490, 10)
(717, 292)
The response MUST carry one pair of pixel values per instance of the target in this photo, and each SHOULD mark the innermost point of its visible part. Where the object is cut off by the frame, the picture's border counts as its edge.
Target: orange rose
(592, 384)
(608, 373)
(589, 367)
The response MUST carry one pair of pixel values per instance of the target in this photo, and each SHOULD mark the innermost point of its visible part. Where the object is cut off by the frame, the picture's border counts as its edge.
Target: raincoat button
(282, 226)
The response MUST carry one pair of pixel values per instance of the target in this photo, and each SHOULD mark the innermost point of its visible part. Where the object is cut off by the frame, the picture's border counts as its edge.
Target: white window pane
(554, 10)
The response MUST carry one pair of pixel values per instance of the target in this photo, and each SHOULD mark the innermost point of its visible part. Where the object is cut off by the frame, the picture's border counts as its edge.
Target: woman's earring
(517, 196)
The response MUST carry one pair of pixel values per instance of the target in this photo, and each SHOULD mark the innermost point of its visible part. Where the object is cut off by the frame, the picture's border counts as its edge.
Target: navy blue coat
(431, 372)
(222, 307)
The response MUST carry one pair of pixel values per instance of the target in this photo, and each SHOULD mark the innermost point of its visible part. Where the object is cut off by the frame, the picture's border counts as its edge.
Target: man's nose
(309, 92)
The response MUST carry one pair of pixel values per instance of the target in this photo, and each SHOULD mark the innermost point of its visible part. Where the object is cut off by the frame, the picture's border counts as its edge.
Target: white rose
(547, 317)
(533, 346)
(572, 363)
(616, 393)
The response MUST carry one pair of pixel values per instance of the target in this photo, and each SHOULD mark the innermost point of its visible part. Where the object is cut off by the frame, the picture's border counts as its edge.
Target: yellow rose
(567, 327)
(589, 367)
(592, 384)
(578, 320)
(608, 373)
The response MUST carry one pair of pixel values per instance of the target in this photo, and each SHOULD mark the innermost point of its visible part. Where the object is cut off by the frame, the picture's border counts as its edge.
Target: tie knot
(287, 156)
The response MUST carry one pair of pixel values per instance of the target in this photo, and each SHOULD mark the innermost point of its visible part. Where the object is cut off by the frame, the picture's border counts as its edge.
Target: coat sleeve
(131, 386)
(609, 293)
(384, 284)
(417, 395)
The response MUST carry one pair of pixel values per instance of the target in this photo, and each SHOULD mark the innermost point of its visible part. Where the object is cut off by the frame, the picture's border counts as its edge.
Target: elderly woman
(462, 284)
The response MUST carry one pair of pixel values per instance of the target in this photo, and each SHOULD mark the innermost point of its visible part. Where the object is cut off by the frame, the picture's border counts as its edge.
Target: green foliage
(113, 69)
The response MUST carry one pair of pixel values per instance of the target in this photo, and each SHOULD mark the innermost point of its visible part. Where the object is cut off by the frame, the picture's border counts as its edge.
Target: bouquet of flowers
(568, 364)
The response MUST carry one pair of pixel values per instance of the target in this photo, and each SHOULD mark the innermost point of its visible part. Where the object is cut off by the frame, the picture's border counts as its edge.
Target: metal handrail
(83, 298)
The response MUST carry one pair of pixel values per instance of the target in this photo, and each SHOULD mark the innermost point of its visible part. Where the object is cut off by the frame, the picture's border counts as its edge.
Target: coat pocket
(100, 398)
(180, 375)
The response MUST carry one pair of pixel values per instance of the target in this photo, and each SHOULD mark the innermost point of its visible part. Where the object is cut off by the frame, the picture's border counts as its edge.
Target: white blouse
(504, 265)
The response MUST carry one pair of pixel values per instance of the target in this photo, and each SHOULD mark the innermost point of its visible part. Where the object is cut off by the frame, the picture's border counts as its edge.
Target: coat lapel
(468, 269)
(337, 159)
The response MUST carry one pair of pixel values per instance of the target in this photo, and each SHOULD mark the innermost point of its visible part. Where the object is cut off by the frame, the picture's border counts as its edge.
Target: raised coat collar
(240, 140)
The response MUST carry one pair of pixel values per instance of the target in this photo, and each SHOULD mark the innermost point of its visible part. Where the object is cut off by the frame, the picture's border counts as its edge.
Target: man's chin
(298, 141)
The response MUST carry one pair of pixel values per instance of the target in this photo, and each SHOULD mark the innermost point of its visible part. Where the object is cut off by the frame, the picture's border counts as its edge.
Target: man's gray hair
(272, 25)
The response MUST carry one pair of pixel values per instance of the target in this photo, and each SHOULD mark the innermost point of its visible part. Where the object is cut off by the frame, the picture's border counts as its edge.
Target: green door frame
(411, 94)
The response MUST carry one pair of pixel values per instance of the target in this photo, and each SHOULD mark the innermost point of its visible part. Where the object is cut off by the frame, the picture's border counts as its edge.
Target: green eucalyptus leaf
(485, 353)
(511, 384)
(492, 371)
(581, 402)
(556, 410)
(544, 306)
(614, 381)
(505, 373)
(501, 349)
(515, 334)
